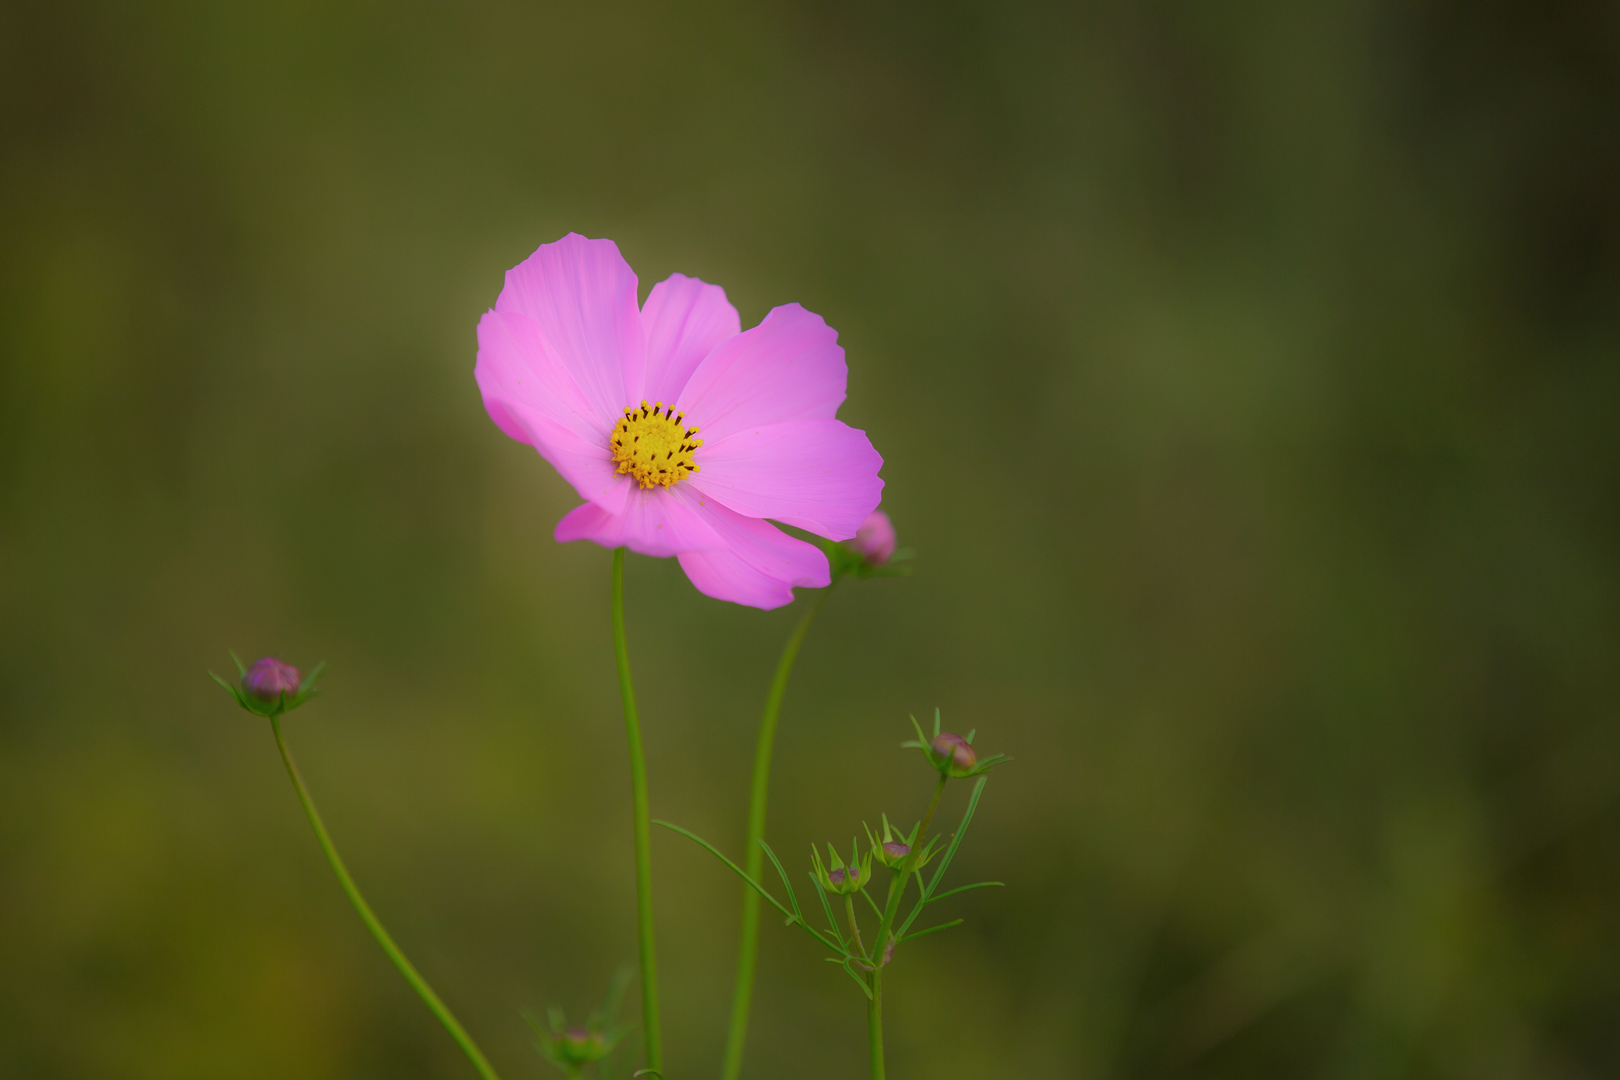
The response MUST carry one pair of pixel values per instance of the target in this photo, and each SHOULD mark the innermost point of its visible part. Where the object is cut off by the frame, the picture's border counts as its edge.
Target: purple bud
(874, 540)
(956, 749)
(269, 678)
(836, 877)
(894, 849)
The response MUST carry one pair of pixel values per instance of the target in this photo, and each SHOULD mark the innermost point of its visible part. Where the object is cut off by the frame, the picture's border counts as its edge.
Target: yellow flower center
(652, 445)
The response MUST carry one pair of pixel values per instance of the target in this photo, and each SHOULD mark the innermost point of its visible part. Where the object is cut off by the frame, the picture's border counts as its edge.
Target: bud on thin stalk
(875, 539)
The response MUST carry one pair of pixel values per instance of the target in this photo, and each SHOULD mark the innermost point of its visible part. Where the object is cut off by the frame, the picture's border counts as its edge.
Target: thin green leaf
(876, 910)
(309, 680)
(740, 872)
(792, 916)
(989, 763)
(234, 690)
(615, 995)
(961, 831)
(963, 888)
(922, 740)
(792, 898)
(860, 982)
(825, 906)
(956, 839)
(931, 929)
(916, 910)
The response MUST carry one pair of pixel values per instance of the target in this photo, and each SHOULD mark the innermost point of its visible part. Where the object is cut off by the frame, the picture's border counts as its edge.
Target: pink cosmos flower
(682, 432)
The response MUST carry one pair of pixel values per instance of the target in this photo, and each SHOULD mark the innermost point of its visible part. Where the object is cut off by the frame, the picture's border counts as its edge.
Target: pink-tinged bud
(894, 851)
(578, 1046)
(836, 877)
(955, 748)
(269, 678)
(874, 540)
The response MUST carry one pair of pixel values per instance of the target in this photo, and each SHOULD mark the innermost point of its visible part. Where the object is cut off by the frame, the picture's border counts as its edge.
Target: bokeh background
(1247, 379)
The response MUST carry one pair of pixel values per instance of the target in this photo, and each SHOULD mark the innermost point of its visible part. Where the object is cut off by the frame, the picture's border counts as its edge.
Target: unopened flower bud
(894, 851)
(953, 754)
(269, 678)
(578, 1046)
(837, 878)
(270, 687)
(874, 540)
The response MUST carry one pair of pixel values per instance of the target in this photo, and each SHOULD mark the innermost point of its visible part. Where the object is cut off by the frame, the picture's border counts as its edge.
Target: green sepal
(845, 561)
(856, 873)
(912, 860)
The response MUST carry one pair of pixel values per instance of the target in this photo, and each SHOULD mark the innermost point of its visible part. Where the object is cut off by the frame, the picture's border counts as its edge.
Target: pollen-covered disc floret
(653, 445)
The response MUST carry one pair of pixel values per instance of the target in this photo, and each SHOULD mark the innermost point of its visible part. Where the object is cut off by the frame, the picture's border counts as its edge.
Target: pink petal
(724, 576)
(531, 396)
(582, 295)
(760, 565)
(789, 367)
(684, 320)
(654, 522)
(821, 475)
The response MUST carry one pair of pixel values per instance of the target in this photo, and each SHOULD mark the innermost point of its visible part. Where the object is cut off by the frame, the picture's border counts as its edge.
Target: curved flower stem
(651, 1035)
(418, 983)
(754, 858)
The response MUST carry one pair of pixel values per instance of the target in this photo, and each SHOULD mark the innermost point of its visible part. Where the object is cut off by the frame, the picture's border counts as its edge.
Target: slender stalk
(854, 927)
(651, 1035)
(880, 948)
(874, 1020)
(928, 819)
(406, 969)
(754, 860)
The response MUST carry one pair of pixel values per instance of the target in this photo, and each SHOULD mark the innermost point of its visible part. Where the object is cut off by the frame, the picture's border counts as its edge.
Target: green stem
(854, 927)
(874, 1021)
(928, 818)
(418, 983)
(754, 855)
(880, 947)
(651, 1035)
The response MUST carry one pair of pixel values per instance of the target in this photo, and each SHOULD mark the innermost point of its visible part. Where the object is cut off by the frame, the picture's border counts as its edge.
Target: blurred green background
(1247, 379)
